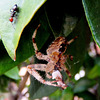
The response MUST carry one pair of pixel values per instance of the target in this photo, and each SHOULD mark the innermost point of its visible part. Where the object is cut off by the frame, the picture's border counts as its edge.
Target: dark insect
(13, 11)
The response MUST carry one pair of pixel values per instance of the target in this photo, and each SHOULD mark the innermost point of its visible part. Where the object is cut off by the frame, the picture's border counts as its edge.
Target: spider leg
(39, 55)
(41, 67)
(48, 76)
(66, 70)
(70, 41)
(57, 75)
(33, 39)
(32, 70)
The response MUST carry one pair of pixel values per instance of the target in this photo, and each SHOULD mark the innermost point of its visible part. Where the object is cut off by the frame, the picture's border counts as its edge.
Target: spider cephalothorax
(55, 59)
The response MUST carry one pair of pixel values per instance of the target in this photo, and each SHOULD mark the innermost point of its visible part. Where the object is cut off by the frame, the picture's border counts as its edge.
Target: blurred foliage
(13, 73)
(57, 18)
(3, 83)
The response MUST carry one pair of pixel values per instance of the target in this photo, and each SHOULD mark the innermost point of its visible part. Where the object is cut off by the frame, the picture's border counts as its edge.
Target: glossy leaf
(11, 32)
(92, 12)
(13, 73)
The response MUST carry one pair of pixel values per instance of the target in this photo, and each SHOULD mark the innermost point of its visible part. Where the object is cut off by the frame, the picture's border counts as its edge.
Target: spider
(55, 59)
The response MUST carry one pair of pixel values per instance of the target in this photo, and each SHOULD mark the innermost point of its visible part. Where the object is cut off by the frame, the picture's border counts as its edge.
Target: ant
(13, 11)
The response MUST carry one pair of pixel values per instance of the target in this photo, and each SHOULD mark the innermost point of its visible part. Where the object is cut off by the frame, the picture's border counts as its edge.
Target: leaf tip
(14, 55)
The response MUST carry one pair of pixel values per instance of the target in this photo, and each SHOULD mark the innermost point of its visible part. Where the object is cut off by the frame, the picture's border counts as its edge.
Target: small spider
(55, 59)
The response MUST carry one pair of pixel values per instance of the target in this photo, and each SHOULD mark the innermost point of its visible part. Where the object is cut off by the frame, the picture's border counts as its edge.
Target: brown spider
(55, 59)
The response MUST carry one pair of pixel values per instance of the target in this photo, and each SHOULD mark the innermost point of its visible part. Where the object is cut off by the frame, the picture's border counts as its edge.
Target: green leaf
(56, 95)
(11, 32)
(83, 84)
(67, 94)
(13, 73)
(94, 72)
(38, 90)
(25, 48)
(92, 12)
